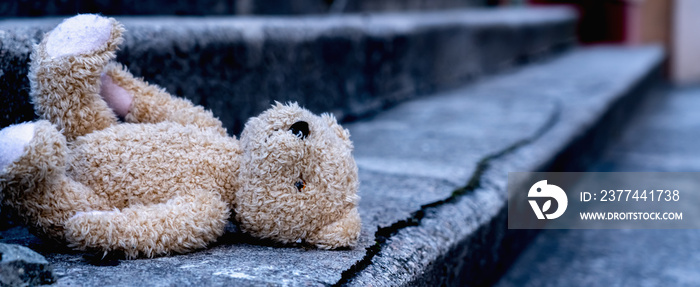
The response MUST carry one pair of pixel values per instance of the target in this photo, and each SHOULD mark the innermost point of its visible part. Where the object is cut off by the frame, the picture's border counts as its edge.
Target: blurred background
(667, 22)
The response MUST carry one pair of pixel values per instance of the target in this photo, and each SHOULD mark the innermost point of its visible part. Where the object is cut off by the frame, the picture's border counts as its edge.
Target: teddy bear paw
(13, 139)
(79, 35)
(340, 234)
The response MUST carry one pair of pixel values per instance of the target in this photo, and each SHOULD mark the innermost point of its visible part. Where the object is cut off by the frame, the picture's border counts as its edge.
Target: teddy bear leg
(342, 233)
(13, 140)
(32, 152)
(65, 73)
(138, 102)
(182, 224)
(33, 180)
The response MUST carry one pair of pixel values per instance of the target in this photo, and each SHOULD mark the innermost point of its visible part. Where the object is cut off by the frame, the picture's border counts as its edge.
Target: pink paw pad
(79, 35)
(117, 98)
(13, 139)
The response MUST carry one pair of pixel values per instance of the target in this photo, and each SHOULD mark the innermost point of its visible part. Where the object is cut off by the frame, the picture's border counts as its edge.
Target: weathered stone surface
(405, 5)
(659, 139)
(24, 8)
(464, 240)
(433, 174)
(20, 266)
(351, 65)
(662, 138)
(577, 258)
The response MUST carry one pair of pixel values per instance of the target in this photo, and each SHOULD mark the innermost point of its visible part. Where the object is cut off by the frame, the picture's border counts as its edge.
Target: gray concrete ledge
(658, 139)
(21, 266)
(586, 96)
(433, 174)
(19, 8)
(352, 65)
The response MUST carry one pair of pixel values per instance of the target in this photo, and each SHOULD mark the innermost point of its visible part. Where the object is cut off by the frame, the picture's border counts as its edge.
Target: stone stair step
(555, 116)
(224, 7)
(659, 139)
(351, 65)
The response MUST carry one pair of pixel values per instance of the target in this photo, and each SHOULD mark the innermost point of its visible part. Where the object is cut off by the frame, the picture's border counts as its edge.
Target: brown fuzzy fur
(167, 180)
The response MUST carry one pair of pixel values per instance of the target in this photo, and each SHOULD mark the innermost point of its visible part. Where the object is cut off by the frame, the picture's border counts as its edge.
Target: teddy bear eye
(300, 129)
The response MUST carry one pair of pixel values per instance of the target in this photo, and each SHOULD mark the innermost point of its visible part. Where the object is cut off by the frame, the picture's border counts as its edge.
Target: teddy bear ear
(342, 133)
(278, 105)
(300, 129)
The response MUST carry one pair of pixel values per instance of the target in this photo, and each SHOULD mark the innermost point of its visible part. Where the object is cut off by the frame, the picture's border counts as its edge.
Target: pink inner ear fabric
(117, 98)
(78, 35)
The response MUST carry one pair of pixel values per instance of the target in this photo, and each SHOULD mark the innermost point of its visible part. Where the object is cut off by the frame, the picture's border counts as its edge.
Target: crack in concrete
(383, 234)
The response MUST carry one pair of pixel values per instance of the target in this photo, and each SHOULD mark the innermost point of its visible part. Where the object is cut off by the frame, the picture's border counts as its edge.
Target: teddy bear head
(297, 178)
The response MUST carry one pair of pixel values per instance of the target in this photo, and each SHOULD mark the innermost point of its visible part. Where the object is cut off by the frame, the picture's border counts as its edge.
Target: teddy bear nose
(300, 129)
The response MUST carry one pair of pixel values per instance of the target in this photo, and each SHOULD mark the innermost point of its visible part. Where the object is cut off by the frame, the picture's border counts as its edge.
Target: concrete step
(17, 8)
(352, 65)
(661, 138)
(433, 177)
(557, 116)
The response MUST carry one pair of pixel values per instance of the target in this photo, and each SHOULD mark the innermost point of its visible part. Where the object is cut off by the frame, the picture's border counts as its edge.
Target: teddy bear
(118, 165)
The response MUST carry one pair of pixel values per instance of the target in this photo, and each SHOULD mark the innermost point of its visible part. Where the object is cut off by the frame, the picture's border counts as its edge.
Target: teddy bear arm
(339, 234)
(182, 224)
(150, 103)
(65, 73)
